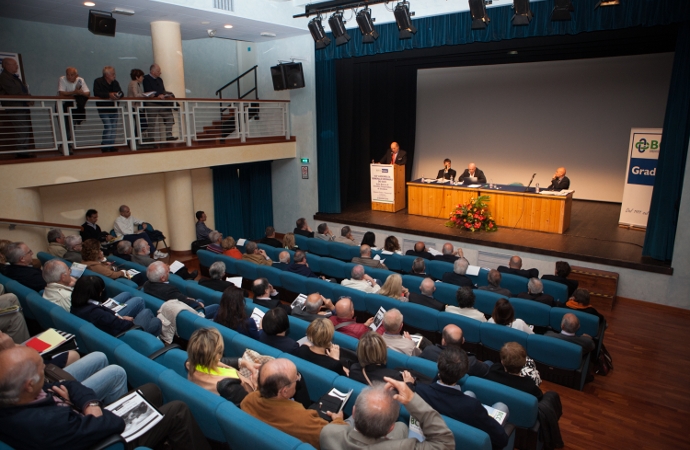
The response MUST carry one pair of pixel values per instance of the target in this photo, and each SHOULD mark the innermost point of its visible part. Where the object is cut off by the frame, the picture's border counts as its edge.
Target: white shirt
(361, 285)
(518, 324)
(66, 86)
(59, 294)
(472, 313)
(124, 226)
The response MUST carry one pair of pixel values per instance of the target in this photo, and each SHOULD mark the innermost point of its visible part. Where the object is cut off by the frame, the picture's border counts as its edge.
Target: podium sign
(387, 187)
(643, 153)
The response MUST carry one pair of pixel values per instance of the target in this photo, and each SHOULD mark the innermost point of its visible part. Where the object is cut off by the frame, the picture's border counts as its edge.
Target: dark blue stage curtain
(243, 199)
(327, 139)
(670, 172)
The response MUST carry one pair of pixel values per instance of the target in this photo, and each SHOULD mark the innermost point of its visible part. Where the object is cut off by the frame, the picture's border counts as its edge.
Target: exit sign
(305, 160)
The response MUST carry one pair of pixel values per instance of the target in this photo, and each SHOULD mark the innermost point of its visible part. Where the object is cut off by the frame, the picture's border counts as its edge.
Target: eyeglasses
(299, 378)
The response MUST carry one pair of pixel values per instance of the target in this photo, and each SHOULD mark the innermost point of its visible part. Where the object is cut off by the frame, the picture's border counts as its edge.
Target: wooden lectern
(387, 187)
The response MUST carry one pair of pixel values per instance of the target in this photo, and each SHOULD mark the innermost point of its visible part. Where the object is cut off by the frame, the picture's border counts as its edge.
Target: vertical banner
(382, 183)
(643, 153)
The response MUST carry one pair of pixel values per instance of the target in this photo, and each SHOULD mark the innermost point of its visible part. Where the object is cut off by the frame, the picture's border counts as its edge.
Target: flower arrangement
(473, 216)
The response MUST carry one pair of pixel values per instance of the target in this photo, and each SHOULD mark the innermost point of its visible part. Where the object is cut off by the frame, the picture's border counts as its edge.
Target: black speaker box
(101, 23)
(278, 78)
(287, 76)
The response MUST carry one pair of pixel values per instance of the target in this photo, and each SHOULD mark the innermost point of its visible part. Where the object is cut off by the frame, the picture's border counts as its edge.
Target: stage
(594, 235)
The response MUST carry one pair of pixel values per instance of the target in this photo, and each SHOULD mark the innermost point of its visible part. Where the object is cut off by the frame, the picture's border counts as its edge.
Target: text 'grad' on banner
(643, 153)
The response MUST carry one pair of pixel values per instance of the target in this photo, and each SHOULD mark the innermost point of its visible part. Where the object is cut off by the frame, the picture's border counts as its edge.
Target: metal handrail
(219, 92)
(14, 222)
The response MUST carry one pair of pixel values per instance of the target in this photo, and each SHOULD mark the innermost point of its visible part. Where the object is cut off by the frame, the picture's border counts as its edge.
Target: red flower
(491, 225)
(477, 225)
(467, 225)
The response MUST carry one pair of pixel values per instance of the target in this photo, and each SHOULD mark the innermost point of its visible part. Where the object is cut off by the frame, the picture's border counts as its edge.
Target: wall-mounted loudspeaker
(101, 22)
(287, 76)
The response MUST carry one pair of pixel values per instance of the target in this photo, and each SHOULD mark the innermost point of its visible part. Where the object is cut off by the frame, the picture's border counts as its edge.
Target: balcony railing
(43, 124)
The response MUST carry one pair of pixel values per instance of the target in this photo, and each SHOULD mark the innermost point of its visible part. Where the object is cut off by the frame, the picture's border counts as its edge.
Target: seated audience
(56, 243)
(426, 296)
(217, 281)
(232, 314)
(283, 261)
(322, 351)
(361, 281)
(346, 236)
(124, 250)
(88, 297)
(275, 326)
(202, 231)
(59, 284)
(3, 246)
(127, 226)
(579, 301)
(365, 258)
(446, 397)
(561, 276)
(323, 233)
(375, 426)
(535, 291)
(90, 230)
(140, 255)
(12, 324)
(504, 314)
(289, 241)
(273, 403)
(569, 326)
(263, 290)
(452, 337)
(35, 415)
(73, 246)
(302, 228)
(369, 239)
(448, 253)
(394, 288)
(372, 356)
(216, 238)
(418, 268)
(494, 280)
(508, 372)
(21, 269)
(92, 257)
(515, 267)
(392, 327)
(392, 245)
(420, 251)
(466, 298)
(315, 307)
(457, 276)
(345, 322)
(254, 254)
(158, 286)
(230, 248)
(270, 238)
(300, 265)
(207, 368)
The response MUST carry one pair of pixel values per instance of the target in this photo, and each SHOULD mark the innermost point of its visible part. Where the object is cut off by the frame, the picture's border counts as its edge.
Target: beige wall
(202, 183)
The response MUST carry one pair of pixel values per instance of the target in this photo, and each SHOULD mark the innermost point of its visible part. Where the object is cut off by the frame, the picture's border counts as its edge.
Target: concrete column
(179, 204)
(167, 53)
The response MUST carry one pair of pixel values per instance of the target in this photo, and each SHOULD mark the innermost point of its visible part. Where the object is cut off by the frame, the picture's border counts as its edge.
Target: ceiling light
(561, 10)
(123, 11)
(337, 25)
(205, 22)
(478, 12)
(523, 15)
(267, 34)
(366, 26)
(89, 4)
(318, 34)
(403, 18)
(227, 26)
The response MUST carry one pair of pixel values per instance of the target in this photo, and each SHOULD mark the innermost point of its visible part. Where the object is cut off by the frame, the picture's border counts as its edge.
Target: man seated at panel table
(473, 171)
(515, 268)
(559, 181)
(446, 173)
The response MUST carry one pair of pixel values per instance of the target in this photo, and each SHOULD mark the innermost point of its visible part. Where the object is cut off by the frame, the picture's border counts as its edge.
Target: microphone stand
(530, 182)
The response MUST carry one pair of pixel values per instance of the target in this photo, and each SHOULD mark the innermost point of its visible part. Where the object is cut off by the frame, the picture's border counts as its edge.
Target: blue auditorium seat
(246, 269)
(293, 282)
(532, 312)
(342, 252)
(302, 242)
(206, 295)
(314, 262)
(557, 290)
(437, 268)
(406, 263)
(589, 323)
(470, 327)
(317, 247)
(392, 261)
(379, 274)
(323, 287)
(271, 274)
(174, 359)
(485, 300)
(514, 283)
(494, 336)
(412, 282)
(523, 406)
(446, 293)
(335, 268)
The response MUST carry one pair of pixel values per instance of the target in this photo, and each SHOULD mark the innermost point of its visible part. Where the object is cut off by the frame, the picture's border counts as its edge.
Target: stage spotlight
(366, 26)
(403, 18)
(338, 28)
(478, 12)
(523, 15)
(561, 10)
(317, 32)
(607, 3)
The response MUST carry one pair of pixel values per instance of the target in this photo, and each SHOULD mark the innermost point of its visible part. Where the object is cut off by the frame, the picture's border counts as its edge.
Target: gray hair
(14, 252)
(53, 270)
(214, 235)
(427, 287)
(570, 323)
(139, 245)
(54, 234)
(418, 265)
(535, 286)
(376, 411)
(299, 256)
(460, 266)
(250, 247)
(494, 278)
(156, 271)
(284, 257)
(123, 247)
(72, 241)
(357, 272)
(344, 231)
(217, 270)
(13, 382)
(392, 320)
(313, 307)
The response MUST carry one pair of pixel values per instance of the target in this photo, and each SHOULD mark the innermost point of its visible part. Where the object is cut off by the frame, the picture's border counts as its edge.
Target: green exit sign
(305, 160)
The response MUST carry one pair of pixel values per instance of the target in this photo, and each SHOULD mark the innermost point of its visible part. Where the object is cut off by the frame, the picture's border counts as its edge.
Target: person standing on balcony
(159, 111)
(72, 86)
(107, 87)
(19, 119)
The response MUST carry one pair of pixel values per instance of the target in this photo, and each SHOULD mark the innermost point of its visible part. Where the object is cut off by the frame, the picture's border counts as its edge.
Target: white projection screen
(513, 120)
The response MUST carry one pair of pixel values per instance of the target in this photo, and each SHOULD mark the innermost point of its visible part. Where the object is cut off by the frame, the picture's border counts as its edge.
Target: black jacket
(427, 301)
(481, 178)
(450, 175)
(166, 291)
(458, 280)
(29, 276)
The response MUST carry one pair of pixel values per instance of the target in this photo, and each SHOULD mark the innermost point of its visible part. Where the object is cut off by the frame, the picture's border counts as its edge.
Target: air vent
(225, 5)
(492, 260)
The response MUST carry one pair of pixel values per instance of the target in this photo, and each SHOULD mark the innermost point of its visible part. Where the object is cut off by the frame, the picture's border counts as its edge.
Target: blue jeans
(135, 305)
(109, 128)
(108, 382)
(150, 323)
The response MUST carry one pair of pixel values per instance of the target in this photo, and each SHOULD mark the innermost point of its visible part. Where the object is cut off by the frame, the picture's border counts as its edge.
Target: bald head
(452, 335)
(395, 147)
(277, 378)
(344, 309)
(472, 167)
(376, 411)
(364, 251)
(392, 321)
(314, 303)
(427, 287)
(570, 323)
(357, 272)
(10, 65)
(447, 249)
(560, 172)
(515, 262)
(155, 70)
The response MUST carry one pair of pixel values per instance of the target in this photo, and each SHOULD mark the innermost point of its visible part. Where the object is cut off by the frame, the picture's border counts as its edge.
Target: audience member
(72, 86)
(275, 326)
(73, 246)
(369, 239)
(466, 298)
(365, 258)
(418, 268)
(14, 324)
(232, 314)
(302, 228)
(270, 238)
(107, 87)
(446, 397)
(508, 372)
(135, 88)
(372, 357)
(579, 301)
(92, 257)
(217, 281)
(324, 233)
(448, 253)
(392, 245)
(504, 314)
(202, 230)
(300, 265)
(124, 250)
(56, 243)
(315, 307)
(88, 297)
(452, 337)
(254, 254)
(158, 286)
(90, 230)
(361, 281)
(3, 246)
(494, 280)
(515, 267)
(535, 291)
(141, 256)
(346, 236)
(21, 269)
(457, 276)
(19, 118)
(160, 113)
(392, 326)
(59, 284)
(375, 426)
(394, 288)
(561, 276)
(426, 297)
(345, 322)
(322, 351)
(420, 251)
(289, 241)
(216, 239)
(569, 326)
(283, 261)
(263, 291)
(125, 226)
(230, 248)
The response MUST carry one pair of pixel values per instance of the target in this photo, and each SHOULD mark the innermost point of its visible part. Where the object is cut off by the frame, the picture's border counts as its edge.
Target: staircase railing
(219, 92)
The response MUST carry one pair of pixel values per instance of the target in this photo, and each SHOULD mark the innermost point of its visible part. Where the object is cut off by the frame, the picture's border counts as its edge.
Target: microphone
(530, 181)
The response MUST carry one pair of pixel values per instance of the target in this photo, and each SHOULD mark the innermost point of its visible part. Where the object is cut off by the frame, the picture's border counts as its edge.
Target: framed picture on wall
(17, 57)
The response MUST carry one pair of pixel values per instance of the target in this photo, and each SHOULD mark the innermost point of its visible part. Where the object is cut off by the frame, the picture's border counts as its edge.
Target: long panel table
(510, 206)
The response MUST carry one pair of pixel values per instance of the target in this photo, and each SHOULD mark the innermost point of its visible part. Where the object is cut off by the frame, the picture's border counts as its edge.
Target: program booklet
(417, 339)
(113, 305)
(237, 281)
(300, 301)
(378, 318)
(499, 416)
(50, 340)
(77, 270)
(174, 267)
(258, 316)
(139, 415)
